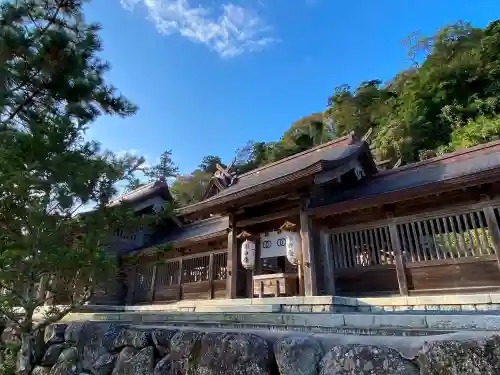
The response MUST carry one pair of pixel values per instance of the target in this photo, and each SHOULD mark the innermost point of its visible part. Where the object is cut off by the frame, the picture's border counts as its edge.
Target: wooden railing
(454, 249)
(191, 277)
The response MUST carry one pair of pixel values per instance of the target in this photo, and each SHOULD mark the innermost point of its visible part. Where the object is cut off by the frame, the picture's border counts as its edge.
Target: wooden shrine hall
(327, 221)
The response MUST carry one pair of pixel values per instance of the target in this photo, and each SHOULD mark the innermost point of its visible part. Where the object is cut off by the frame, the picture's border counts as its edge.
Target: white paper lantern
(248, 254)
(293, 248)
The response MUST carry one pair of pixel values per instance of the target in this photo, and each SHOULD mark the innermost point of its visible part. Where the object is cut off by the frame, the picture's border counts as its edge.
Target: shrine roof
(303, 164)
(480, 164)
(150, 190)
(193, 232)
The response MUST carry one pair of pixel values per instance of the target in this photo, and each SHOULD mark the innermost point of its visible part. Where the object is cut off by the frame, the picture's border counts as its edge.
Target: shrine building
(326, 221)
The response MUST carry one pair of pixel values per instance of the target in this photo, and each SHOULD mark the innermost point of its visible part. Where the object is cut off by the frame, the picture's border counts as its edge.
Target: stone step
(360, 323)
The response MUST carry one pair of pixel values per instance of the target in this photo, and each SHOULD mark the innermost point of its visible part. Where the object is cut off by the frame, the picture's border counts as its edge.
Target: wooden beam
(308, 264)
(492, 222)
(329, 267)
(398, 257)
(232, 259)
(266, 218)
(334, 174)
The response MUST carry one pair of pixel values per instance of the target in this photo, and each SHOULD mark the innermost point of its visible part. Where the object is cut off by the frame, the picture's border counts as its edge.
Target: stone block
(305, 308)
(480, 322)
(470, 308)
(260, 318)
(399, 321)
(359, 320)
(316, 320)
(298, 355)
(319, 300)
(450, 357)
(494, 298)
(323, 308)
(278, 300)
(357, 359)
(384, 301)
(450, 308)
(488, 307)
(348, 301)
(432, 308)
(239, 309)
(231, 353)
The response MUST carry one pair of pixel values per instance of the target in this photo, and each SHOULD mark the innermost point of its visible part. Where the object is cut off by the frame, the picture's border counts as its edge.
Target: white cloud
(235, 31)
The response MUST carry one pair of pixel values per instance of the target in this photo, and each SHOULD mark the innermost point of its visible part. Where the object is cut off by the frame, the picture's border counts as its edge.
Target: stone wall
(109, 349)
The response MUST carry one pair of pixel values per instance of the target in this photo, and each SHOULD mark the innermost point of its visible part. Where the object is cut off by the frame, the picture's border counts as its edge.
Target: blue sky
(210, 75)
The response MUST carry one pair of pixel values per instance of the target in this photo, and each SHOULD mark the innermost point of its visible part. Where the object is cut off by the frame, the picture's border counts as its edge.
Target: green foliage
(52, 88)
(482, 129)
(421, 112)
(190, 188)
(208, 164)
(164, 169)
(8, 358)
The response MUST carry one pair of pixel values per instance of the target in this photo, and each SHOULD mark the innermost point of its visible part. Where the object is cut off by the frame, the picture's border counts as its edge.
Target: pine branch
(29, 99)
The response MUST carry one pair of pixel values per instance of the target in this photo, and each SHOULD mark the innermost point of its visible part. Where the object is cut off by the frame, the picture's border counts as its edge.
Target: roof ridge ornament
(288, 227)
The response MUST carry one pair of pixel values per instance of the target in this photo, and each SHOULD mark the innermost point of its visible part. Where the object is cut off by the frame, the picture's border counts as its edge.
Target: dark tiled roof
(196, 231)
(418, 175)
(144, 192)
(326, 156)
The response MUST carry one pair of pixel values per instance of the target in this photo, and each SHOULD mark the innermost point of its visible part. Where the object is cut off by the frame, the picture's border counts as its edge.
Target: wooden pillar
(211, 276)
(307, 262)
(181, 278)
(398, 257)
(257, 269)
(153, 281)
(131, 277)
(232, 259)
(492, 223)
(328, 264)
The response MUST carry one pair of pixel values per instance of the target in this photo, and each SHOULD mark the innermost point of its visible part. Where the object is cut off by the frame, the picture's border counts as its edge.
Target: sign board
(272, 244)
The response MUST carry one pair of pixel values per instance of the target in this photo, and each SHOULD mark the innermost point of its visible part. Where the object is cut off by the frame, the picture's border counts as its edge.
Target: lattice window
(168, 273)
(220, 266)
(446, 237)
(362, 248)
(144, 278)
(195, 269)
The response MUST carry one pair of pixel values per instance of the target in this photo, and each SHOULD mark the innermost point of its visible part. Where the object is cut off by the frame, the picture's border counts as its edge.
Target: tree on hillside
(190, 188)
(208, 163)
(421, 112)
(164, 169)
(51, 89)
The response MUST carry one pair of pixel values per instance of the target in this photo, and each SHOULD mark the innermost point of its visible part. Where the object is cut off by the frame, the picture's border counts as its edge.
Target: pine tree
(51, 89)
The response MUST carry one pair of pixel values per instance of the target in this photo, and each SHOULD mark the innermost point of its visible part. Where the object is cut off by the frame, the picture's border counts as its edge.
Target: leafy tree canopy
(52, 88)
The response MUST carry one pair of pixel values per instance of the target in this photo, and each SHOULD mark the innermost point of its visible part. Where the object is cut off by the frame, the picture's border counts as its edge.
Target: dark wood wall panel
(167, 294)
(367, 281)
(198, 290)
(219, 289)
(453, 276)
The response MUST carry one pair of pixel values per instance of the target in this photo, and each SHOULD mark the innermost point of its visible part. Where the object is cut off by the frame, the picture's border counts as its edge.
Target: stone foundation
(109, 349)
(481, 303)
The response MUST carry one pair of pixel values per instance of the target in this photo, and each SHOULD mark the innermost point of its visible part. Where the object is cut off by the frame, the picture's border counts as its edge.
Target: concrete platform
(356, 323)
(481, 302)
